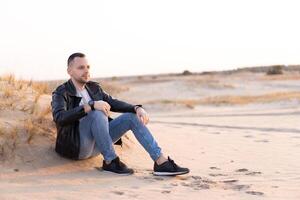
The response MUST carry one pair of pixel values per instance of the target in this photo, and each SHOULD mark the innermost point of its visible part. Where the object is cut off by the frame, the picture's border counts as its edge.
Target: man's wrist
(137, 107)
(92, 104)
(87, 108)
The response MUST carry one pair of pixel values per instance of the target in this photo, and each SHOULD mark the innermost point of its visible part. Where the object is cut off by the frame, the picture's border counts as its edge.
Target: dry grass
(17, 84)
(7, 95)
(34, 105)
(8, 92)
(2, 132)
(37, 97)
(9, 78)
(43, 114)
(41, 88)
(14, 137)
(5, 104)
(8, 142)
(23, 96)
(13, 83)
(13, 91)
(29, 129)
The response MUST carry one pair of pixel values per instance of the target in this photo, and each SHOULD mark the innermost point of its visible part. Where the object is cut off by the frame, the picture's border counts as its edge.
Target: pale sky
(130, 37)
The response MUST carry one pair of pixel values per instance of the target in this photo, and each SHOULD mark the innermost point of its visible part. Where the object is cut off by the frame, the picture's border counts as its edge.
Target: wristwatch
(137, 106)
(91, 104)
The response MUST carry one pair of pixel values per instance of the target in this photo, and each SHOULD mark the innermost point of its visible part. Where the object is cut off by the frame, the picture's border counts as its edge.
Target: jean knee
(132, 117)
(98, 115)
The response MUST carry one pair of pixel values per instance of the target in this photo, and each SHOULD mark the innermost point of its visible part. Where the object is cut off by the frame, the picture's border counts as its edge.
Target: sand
(233, 151)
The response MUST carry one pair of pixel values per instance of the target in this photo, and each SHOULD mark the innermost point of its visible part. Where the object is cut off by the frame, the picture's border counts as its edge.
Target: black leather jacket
(67, 112)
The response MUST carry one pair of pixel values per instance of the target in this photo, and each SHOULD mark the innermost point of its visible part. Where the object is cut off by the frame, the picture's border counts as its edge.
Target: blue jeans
(97, 135)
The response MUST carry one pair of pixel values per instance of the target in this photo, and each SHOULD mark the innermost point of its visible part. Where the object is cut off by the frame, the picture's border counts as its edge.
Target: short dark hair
(73, 56)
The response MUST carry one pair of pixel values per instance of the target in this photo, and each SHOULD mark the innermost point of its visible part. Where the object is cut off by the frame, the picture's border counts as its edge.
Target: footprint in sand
(128, 194)
(203, 184)
(151, 178)
(249, 136)
(232, 185)
(263, 141)
(230, 181)
(236, 187)
(248, 173)
(214, 168)
(199, 183)
(255, 193)
(166, 191)
(202, 187)
(240, 187)
(185, 184)
(242, 170)
(253, 173)
(217, 174)
(195, 182)
(118, 192)
(208, 181)
(158, 178)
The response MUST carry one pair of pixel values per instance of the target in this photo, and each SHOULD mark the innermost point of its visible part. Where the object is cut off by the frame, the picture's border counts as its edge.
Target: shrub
(186, 72)
(275, 70)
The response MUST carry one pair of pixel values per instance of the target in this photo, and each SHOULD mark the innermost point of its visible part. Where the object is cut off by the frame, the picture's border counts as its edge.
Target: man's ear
(69, 70)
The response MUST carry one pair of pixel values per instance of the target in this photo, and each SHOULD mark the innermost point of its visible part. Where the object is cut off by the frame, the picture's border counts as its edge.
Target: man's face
(79, 70)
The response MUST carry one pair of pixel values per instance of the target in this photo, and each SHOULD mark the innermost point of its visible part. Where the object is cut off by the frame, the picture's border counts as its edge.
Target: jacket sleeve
(117, 105)
(61, 115)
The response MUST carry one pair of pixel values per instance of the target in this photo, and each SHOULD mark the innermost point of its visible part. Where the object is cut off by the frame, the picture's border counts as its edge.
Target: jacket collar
(71, 89)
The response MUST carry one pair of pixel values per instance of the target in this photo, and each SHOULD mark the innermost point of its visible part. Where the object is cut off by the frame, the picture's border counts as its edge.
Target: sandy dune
(248, 151)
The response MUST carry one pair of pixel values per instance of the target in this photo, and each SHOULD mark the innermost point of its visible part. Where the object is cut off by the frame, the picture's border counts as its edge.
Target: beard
(83, 79)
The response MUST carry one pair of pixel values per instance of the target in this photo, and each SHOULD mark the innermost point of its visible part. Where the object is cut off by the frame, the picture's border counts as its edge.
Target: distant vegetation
(269, 70)
(275, 70)
(186, 72)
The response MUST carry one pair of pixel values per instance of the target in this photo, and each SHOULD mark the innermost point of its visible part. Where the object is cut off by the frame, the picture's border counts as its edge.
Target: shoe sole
(169, 173)
(122, 174)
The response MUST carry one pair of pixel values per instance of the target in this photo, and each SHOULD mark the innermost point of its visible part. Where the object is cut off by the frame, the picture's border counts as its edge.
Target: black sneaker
(117, 166)
(169, 168)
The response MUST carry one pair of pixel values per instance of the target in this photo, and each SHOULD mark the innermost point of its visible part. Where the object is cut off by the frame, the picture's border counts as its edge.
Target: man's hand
(102, 106)
(87, 108)
(142, 115)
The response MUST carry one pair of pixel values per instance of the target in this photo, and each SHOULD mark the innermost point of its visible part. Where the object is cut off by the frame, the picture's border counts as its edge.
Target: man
(80, 110)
